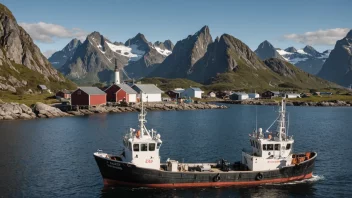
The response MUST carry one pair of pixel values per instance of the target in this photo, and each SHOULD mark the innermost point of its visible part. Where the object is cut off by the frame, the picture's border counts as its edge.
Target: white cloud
(320, 37)
(48, 53)
(47, 32)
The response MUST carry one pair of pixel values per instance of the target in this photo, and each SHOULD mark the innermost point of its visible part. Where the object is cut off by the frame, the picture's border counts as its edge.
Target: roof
(127, 88)
(293, 94)
(148, 88)
(65, 91)
(177, 91)
(240, 93)
(92, 90)
(196, 88)
(42, 86)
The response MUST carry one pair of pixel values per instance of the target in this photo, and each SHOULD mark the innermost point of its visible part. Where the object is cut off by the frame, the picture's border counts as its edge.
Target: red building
(120, 92)
(88, 96)
(63, 94)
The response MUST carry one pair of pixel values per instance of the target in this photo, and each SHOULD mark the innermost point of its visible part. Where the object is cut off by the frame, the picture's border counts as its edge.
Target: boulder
(25, 116)
(44, 110)
(7, 117)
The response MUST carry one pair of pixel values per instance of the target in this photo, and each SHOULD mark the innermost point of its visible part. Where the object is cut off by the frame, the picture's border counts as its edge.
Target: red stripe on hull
(109, 182)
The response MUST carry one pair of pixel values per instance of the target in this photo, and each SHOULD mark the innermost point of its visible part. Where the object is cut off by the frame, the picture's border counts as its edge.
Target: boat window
(129, 145)
(158, 145)
(251, 142)
(277, 147)
(152, 147)
(288, 146)
(264, 147)
(258, 146)
(144, 147)
(136, 147)
(270, 147)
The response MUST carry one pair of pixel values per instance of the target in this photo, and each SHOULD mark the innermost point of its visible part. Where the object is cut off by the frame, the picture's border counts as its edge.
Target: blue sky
(250, 21)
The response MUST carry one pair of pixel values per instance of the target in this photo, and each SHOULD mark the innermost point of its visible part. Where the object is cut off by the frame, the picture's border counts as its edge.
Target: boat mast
(142, 117)
(281, 122)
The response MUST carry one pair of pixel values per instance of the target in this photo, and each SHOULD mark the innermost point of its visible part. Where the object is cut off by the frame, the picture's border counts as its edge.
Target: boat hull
(116, 173)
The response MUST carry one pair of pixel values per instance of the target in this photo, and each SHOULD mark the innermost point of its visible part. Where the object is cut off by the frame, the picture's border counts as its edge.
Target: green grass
(168, 84)
(27, 99)
(322, 98)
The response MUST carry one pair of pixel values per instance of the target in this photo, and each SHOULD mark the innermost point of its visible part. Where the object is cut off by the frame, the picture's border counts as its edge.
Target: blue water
(53, 157)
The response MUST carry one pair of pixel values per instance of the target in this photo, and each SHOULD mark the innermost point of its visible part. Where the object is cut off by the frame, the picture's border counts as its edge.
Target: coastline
(16, 111)
(327, 103)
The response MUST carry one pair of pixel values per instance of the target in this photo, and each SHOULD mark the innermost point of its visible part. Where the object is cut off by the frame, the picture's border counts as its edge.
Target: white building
(212, 94)
(148, 92)
(292, 95)
(239, 96)
(253, 95)
(192, 92)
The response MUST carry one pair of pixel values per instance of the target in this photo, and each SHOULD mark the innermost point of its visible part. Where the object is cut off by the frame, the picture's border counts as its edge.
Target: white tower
(117, 74)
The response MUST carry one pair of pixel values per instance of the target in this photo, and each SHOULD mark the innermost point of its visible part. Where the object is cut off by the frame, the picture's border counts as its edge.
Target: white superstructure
(141, 147)
(117, 74)
(272, 150)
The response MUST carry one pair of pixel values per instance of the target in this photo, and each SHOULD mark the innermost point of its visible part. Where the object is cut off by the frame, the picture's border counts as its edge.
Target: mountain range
(22, 65)
(308, 59)
(93, 60)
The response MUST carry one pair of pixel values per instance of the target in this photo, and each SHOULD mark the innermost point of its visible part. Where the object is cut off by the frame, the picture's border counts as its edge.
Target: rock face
(308, 59)
(167, 44)
(225, 54)
(11, 111)
(153, 55)
(59, 58)
(46, 111)
(93, 61)
(17, 47)
(266, 50)
(338, 67)
(279, 66)
(184, 56)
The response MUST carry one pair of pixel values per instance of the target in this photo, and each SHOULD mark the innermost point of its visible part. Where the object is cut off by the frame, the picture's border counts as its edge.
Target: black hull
(124, 174)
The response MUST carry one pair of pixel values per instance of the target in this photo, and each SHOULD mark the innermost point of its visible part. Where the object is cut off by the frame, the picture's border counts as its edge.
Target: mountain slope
(59, 58)
(266, 50)
(184, 55)
(308, 59)
(153, 55)
(22, 65)
(338, 67)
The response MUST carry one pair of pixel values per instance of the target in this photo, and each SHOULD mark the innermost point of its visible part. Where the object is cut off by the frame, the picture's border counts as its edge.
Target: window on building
(135, 147)
(79, 92)
(158, 145)
(270, 147)
(288, 146)
(152, 147)
(144, 147)
(277, 147)
(264, 147)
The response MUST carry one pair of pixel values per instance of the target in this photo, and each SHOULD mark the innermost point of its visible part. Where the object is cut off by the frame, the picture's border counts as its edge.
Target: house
(306, 95)
(253, 95)
(270, 94)
(175, 94)
(292, 95)
(223, 94)
(120, 92)
(88, 96)
(192, 92)
(42, 87)
(63, 94)
(238, 96)
(148, 92)
(211, 94)
(322, 93)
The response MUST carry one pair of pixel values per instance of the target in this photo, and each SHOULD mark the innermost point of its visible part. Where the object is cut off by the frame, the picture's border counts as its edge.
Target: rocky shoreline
(330, 103)
(14, 111)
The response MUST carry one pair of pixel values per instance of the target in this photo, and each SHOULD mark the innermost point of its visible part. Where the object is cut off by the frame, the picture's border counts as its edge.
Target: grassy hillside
(167, 84)
(33, 78)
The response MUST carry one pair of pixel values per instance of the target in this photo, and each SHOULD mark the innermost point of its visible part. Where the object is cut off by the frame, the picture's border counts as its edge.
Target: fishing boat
(270, 160)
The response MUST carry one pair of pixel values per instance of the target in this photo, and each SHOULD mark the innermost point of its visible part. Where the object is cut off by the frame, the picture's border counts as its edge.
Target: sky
(52, 24)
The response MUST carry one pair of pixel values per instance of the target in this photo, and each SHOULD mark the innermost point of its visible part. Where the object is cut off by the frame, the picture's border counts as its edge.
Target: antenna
(256, 119)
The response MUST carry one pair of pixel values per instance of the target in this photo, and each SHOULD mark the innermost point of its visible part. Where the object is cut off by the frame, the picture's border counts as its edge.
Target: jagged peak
(310, 50)
(291, 49)
(349, 34)
(139, 38)
(4, 10)
(266, 44)
(204, 30)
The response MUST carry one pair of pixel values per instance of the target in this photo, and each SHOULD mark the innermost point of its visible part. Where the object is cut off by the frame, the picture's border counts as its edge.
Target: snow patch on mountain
(132, 51)
(163, 52)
